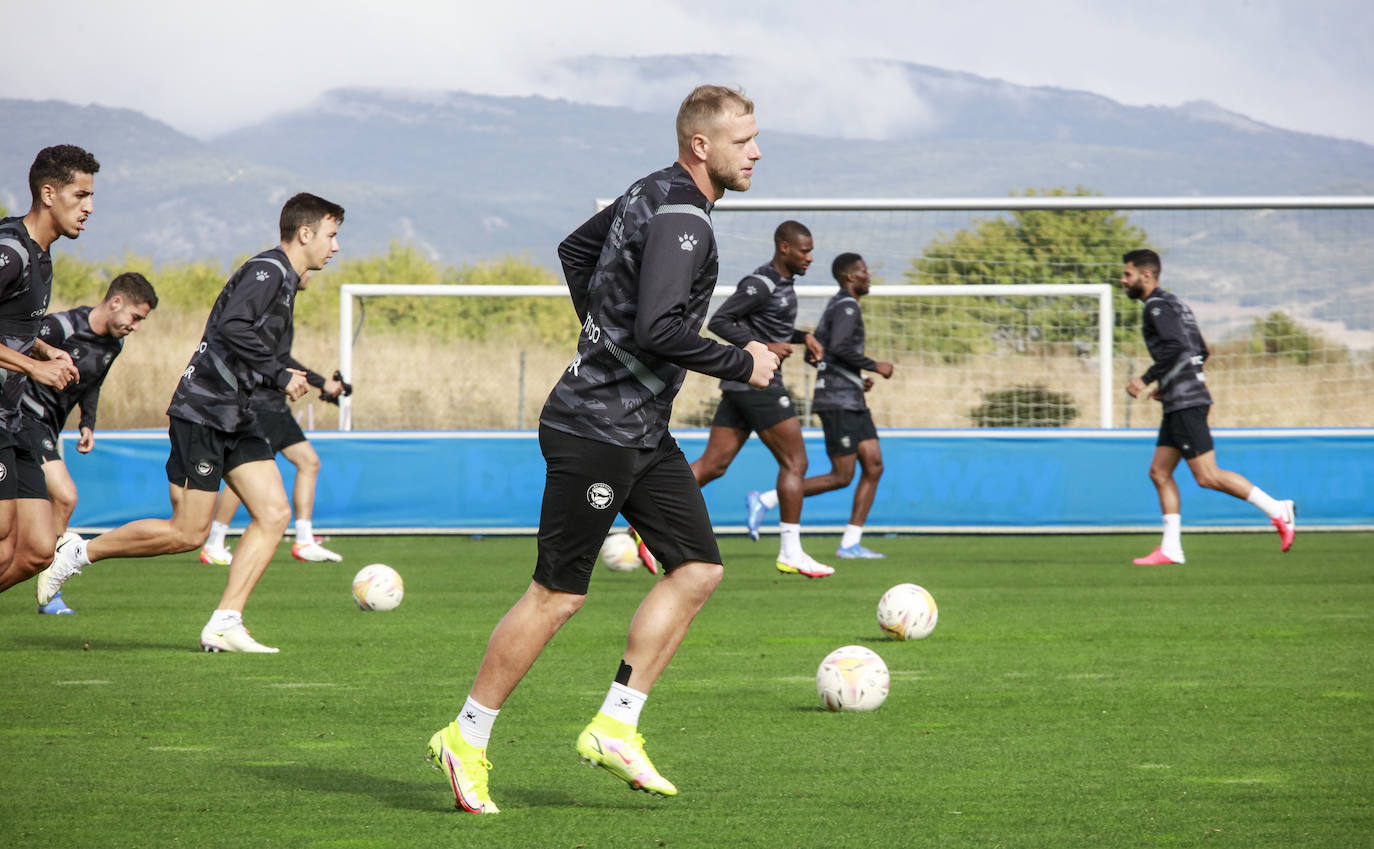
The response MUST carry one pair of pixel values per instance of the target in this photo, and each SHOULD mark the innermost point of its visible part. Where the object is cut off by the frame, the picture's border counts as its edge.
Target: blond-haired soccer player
(641, 273)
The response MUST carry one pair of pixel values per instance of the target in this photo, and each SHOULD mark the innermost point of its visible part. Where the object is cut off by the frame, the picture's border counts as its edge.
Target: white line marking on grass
(303, 684)
(1088, 676)
(180, 748)
(81, 683)
(1153, 766)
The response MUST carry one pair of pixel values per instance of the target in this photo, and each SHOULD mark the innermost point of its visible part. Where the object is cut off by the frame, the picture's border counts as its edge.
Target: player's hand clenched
(765, 364)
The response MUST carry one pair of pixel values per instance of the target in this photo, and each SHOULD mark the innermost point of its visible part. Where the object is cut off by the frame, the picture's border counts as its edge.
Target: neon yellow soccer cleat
(619, 749)
(466, 767)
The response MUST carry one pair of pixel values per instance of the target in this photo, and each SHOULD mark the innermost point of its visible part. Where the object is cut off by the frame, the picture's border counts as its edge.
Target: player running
(840, 402)
(285, 436)
(247, 342)
(61, 186)
(1178, 350)
(93, 337)
(764, 306)
(640, 273)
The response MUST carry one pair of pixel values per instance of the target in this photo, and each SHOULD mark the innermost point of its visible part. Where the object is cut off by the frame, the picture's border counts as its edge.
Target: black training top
(839, 382)
(25, 286)
(93, 353)
(763, 307)
(1178, 350)
(640, 273)
(247, 343)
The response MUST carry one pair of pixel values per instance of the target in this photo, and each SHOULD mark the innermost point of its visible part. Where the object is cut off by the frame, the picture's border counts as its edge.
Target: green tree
(1027, 247)
(1277, 334)
(542, 319)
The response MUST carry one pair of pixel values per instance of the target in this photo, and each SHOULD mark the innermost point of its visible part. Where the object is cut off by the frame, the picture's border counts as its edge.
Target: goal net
(1002, 312)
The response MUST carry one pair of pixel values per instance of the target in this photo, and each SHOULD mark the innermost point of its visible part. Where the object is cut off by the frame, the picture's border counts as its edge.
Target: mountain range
(466, 176)
(469, 176)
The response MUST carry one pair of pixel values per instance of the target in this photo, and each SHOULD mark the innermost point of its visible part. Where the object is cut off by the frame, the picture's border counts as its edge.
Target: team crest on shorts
(4, 472)
(47, 445)
(844, 441)
(785, 401)
(204, 468)
(600, 495)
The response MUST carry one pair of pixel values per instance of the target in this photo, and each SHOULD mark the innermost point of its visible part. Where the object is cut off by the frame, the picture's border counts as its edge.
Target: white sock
(769, 499)
(624, 704)
(475, 721)
(305, 534)
(791, 541)
(853, 535)
(219, 532)
(1172, 543)
(1263, 501)
(222, 620)
(81, 558)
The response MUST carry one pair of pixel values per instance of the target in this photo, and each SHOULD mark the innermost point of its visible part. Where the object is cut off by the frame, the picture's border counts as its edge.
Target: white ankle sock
(305, 533)
(475, 721)
(1172, 543)
(1263, 501)
(624, 704)
(853, 535)
(219, 532)
(223, 619)
(791, 541)
(81, 555)
(769, 499)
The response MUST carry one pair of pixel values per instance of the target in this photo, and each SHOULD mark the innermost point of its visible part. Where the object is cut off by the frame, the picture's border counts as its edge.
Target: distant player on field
(1178, 350)
(640, 273)
(764, 306)
(247, 342)
(285, 436)
(92, 337)
(62, 186)
(840, 402)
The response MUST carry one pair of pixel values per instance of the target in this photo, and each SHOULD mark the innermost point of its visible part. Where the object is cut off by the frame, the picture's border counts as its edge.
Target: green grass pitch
(1066, 699)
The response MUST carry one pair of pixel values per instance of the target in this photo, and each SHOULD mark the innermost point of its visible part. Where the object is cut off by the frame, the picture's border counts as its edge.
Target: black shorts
(845, 429)
(201, 454)
(589, 482)
(40, 440)
(21, 474)
(279, 428)
(752, 409)
(1187, 431)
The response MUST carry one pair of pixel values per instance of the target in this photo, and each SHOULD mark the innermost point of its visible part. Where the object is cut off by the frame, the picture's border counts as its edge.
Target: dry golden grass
(404, 383)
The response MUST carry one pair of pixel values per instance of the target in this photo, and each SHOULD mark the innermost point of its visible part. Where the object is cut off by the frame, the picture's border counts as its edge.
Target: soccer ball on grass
(620, 553)
(907, 612)
(378, 587)
(852, 678)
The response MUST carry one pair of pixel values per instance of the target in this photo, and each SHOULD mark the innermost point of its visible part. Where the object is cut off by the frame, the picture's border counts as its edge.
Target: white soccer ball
(852, 678)
(907, 612)
(378, 587)
(620, 553)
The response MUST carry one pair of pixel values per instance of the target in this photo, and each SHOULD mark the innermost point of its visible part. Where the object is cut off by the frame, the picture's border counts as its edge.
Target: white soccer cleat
(64, 564)
(313, 552)
(236, 638)
(804, 564)
(215, 555)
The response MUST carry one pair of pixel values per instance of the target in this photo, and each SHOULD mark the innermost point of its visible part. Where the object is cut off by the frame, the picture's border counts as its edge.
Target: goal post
(811, 298)
(993, 310)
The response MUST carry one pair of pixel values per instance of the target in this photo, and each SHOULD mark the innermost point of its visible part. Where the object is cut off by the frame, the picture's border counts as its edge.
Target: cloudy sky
(205, 68)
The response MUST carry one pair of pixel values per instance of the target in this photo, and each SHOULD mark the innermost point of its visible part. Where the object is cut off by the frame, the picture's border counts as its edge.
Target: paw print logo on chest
(687, 241)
